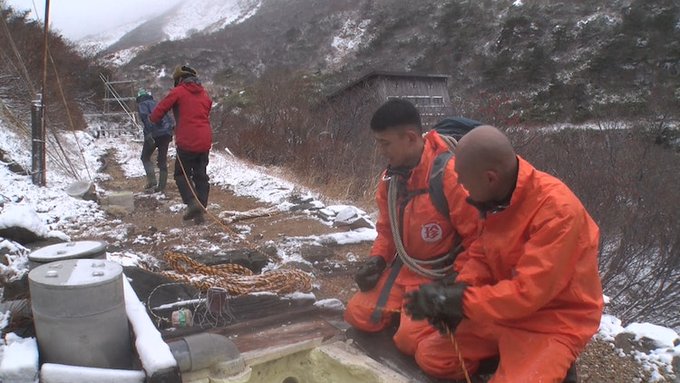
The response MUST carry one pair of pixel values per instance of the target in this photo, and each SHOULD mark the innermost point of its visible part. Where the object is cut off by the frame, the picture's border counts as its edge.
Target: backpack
(454, 127)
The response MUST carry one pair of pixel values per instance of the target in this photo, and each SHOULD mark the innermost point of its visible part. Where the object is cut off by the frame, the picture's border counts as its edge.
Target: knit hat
(182, 72)
(143, 92)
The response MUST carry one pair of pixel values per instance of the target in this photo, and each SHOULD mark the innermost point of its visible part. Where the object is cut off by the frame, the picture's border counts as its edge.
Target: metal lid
(76, 273)
(68, 250)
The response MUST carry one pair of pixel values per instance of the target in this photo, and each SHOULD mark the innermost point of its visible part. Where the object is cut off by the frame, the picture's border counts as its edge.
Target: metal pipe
(200, 351)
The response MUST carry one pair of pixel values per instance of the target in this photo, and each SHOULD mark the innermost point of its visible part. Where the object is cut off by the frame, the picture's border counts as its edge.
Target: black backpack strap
(437, 183)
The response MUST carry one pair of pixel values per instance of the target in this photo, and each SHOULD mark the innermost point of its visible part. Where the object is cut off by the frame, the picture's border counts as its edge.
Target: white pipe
(60, 373)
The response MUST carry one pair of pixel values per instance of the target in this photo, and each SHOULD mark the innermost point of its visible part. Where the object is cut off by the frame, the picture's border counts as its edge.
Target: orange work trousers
(409, 334)
(524, 356)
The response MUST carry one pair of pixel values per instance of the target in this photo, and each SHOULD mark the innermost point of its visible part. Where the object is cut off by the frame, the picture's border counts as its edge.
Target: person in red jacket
(529, 293)
(191, 106)
(427, 234)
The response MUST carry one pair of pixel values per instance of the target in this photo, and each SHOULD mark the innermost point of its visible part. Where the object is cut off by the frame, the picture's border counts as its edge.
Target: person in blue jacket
(156, 136)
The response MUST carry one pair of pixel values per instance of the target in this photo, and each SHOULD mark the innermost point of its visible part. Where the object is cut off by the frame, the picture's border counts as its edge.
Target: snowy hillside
(207, 16)
(96, 43)
(177, 23)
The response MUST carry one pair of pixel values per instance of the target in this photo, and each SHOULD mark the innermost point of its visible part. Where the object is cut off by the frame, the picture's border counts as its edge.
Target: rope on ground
(214, 218)
(236, 279)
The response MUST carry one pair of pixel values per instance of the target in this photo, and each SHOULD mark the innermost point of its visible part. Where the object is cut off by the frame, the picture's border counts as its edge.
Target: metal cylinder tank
(79, 313)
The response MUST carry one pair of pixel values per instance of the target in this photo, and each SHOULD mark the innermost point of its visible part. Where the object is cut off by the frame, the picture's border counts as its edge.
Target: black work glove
(369, 273)
(440, 303)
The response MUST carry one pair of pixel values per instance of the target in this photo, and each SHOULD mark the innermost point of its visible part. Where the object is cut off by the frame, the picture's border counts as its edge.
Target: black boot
(193, 210)
(572, 375)
(162, 181)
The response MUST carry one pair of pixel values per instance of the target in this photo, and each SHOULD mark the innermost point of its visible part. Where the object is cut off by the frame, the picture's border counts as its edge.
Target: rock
(361, 222)
(352, 217)
(301, 266)
(676, 367)
(19, 234)
(20, 223)
(306, 202)
(11, 165)
(627, 342)
(347, 215)
(314, 253)
(325, 214)
(83, 190)
(254, 260)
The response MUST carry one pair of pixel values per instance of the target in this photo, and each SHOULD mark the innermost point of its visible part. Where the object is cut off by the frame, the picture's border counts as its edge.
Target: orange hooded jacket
(534, 266)
(427, 234)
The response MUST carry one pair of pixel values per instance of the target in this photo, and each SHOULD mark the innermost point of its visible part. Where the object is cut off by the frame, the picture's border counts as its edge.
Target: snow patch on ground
(248, 180)
(657, 360)
(341, 238)
(19, 359)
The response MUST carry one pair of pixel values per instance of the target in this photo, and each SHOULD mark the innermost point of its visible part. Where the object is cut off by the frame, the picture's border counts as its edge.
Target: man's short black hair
(395, 113)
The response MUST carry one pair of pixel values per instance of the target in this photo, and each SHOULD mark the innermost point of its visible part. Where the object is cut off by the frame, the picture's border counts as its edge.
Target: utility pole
(37, 142)
(43, 128)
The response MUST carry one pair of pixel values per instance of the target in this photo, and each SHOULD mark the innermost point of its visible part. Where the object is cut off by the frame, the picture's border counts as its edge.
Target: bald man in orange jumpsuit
(530, 292)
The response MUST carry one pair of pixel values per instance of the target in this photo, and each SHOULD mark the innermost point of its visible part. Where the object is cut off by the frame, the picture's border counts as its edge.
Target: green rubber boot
(150, 177)
(162, 181)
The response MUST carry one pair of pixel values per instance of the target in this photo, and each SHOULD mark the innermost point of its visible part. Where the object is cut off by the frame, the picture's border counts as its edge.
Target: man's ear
(412, 135)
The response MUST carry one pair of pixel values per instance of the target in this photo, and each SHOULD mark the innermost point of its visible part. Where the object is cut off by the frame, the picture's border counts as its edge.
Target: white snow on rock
(330, 304)
(299, 296)
(610, 327)
(662, 336)
(19, 359)
(24, 216)
(656, 361)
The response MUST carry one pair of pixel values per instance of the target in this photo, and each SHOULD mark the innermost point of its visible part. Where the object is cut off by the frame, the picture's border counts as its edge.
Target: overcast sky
(78, 18)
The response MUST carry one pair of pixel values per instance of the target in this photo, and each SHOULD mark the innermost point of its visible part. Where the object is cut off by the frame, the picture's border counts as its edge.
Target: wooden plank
(282, 334)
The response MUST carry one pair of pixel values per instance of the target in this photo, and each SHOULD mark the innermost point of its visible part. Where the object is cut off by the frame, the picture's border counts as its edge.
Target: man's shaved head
(486, 163)
(485, 147)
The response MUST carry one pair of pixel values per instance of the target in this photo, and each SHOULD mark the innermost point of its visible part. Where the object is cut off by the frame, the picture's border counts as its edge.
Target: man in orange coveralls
(427, 233)
(529, 292)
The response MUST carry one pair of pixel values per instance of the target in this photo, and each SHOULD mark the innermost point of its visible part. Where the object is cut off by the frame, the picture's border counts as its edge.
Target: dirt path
(156, 226)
